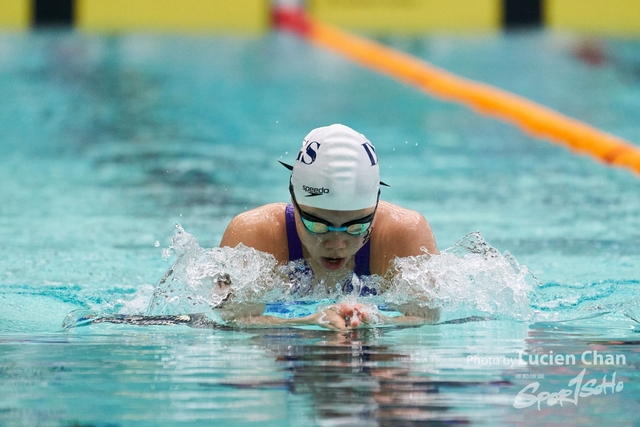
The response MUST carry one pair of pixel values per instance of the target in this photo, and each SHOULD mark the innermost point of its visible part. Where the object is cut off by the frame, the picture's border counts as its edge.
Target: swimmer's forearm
(404, 320)
(425, 316)
(410, 311)
(325, 319)
(269, 321)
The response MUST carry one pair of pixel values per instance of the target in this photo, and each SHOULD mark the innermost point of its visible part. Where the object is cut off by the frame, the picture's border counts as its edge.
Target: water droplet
(157, 244)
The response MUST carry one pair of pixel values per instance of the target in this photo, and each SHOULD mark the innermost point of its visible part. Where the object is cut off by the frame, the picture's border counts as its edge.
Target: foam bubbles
(469, 278)
(201, 279)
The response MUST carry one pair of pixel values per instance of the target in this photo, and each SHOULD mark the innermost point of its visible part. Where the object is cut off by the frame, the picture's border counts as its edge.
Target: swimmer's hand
(338, 317)
(351, 315)
(221, 290)
(346, 315)
(342, 316)
(226, 304)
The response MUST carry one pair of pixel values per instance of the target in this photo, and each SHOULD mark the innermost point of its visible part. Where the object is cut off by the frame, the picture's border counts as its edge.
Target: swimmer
(338, 224)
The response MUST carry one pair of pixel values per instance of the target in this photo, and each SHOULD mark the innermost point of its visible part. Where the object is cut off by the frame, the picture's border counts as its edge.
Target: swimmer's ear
(286, 165)
(381, 183)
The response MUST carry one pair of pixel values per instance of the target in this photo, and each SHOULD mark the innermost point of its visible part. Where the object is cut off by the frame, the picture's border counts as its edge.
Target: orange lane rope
(531, 117)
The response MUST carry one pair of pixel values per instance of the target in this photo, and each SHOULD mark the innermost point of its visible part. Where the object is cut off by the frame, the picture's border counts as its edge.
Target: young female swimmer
(338, 224)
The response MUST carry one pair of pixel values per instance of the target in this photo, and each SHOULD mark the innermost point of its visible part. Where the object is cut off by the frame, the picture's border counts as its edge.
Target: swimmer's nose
(335, 241)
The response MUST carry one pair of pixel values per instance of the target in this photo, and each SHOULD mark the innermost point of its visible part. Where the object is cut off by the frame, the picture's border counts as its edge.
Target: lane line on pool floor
(531, 117)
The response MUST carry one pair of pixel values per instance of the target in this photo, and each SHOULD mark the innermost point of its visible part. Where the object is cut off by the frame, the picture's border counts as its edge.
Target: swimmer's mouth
(333, 263)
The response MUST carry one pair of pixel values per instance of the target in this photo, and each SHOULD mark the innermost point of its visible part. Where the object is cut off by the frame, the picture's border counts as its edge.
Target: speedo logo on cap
(314, 191)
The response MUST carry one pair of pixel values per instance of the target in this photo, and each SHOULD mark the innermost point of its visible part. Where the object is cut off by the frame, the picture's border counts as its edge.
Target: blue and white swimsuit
(362, 256)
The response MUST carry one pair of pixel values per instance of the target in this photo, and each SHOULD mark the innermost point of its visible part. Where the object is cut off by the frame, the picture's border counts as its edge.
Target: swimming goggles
(316, 225)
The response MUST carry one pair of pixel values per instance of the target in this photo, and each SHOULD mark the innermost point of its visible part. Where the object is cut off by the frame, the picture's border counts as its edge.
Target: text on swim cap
(371, 152)
(313, 191)
(308, 154)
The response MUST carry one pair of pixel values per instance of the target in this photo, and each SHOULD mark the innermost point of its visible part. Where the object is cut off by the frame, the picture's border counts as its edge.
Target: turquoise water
(107, 142)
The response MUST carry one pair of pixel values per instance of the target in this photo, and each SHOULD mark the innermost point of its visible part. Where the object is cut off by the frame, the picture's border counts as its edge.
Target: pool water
(106, 142)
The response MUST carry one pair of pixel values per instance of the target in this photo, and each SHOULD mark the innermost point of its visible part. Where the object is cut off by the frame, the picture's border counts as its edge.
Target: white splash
(199, 280)
(470, 278)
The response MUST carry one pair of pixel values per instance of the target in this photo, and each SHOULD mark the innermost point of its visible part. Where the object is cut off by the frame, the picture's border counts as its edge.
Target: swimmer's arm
(412, 316)
(323, 319)
(338, 317)
(268, 321)
(402, 234)
(410, 237)
(416, 312)
(262, 228)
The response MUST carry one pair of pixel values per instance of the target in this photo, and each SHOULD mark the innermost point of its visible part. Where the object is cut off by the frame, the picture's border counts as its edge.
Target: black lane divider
(522, 13)
(53, 13)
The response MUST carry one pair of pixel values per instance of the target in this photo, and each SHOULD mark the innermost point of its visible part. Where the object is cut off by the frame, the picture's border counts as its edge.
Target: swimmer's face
(332, 251)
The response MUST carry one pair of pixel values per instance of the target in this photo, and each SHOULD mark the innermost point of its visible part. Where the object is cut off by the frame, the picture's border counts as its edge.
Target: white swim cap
(336, 169)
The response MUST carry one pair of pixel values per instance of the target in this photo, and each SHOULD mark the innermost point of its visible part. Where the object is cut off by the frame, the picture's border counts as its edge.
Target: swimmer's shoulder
(396, 218)
(398, 232)
(273, 212)
(262, 228)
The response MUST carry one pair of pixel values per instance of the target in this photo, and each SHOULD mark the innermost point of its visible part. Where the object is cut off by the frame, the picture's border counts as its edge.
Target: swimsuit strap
(362, 260)
(295, 245)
